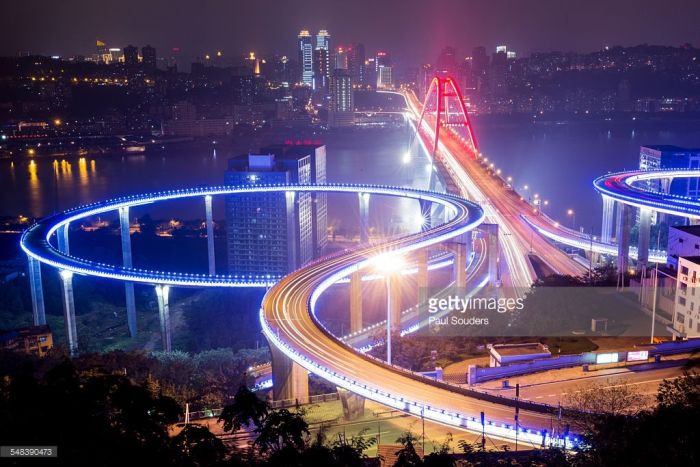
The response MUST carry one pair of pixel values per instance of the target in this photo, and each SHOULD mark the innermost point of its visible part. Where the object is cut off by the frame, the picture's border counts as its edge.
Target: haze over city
(413, 30)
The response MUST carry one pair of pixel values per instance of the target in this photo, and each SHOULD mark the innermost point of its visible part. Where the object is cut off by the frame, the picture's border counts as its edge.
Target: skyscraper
(384, 70)
(480, 66)
(276, 233)
(306, 57)
(322, 59)
(319, 201)
(499, 69)
(356, 64)
(340, 60)
(148, 55)
(131, 55)
(446, 62)
(342, 108)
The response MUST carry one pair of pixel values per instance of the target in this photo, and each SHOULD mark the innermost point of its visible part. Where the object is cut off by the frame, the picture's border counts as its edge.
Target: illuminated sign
(638, 356)
(606, 358)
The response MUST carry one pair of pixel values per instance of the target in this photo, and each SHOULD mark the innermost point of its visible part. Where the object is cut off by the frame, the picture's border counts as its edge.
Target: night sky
(412, 30)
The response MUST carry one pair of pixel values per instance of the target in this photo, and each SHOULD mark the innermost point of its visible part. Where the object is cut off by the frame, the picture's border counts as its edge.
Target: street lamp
(571, 213)
(389, 265)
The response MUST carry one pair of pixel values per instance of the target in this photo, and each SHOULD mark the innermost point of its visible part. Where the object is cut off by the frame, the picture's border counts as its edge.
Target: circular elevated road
(288, 318)
(624, 187)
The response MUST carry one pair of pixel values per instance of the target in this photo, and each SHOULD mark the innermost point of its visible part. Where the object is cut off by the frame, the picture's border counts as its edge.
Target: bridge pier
(490, 231)
(355, 301)
(422, 277)
(364, 217)
(162, 292)
(643, 239)
(69, 311)
(459, 265)
(37, 290)
(128, 263)
(353, 405)
(67, 288)
(290, 380)
(608, 212)
(393, 287)
(62, 237)
(624, 224)
(210, 234)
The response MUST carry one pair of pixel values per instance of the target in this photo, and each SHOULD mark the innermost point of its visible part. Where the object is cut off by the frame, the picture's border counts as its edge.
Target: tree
(610, 398)
(282, 430)
(350, 453)
(441, 457)
(407, 455)
(680, 392)
(246, 409)
(197, 446)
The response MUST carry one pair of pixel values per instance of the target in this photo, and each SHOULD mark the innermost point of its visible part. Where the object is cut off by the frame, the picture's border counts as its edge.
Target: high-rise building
(322, 59)
(342, 107)
(148, 55)
(319, 201)
(263, 229)
(340, 59)
(356, 64)
(102, 55)
(425, 77)
(382, 59)
(278, 232)
(115, 54)
(306, 57)
(131, 55)
(446, 62)
(498, 71)
(480, 67)
(384, 70)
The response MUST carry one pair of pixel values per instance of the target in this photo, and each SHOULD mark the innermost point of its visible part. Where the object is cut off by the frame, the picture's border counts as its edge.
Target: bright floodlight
(388, 262)
(419, 220)
(406, 157)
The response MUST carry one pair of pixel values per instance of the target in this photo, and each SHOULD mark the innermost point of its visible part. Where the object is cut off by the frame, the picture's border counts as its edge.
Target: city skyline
(525, 26)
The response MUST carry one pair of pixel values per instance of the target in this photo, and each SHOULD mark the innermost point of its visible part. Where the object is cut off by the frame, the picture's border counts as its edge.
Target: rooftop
(669, 148)
(691, 229)
(692, 259)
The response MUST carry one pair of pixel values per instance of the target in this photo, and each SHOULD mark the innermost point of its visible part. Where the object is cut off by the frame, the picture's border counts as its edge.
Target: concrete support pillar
(353, 405)
(422, 279)
(290, 380)
(607, 227)
(364, 217)
(124, 227)
(394, 300)
(210, 234)
(624, 224)
(37, 290)
(292, 235)
(355, 301)
(162, 292)
(62, 237)
(490, 231)
(644, 234)
(69, 311)
(460, 264)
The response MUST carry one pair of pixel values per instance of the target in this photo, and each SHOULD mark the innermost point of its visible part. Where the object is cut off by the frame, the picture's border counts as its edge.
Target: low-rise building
(686, 316)
(37, 340)
(683, 240)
